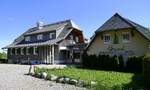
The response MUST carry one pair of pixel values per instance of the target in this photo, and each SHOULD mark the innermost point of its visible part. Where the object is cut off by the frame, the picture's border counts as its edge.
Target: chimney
(40, 25)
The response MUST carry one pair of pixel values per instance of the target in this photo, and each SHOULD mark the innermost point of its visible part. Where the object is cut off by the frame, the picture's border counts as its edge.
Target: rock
(66, 79)
(73, 81)
(44, 75)
(93, 83)
(48, 77)
(80, 83)
(60, 80)
(53, 77)
(39, 75)
(32, 74)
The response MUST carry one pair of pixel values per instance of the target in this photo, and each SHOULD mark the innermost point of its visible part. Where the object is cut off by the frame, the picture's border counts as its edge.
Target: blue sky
(18, 15)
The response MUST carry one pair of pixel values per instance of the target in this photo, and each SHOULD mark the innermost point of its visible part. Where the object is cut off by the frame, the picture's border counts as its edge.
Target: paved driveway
(12, 77)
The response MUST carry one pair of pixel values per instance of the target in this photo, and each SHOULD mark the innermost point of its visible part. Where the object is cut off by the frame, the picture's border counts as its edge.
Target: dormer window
(27, 38)
(106, 38)
(39, 37)
(51, 35)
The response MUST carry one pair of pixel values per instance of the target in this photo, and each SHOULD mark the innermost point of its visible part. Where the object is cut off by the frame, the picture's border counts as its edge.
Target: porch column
(42, 49)
(22, 53)
(50, 50)
(48, 54)
(15, 51)
(27, 50)
(53, 53)
(34, 50)
(45, 54)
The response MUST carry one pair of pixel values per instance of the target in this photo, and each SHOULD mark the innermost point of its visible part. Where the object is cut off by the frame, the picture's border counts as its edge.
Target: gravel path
(12, 77)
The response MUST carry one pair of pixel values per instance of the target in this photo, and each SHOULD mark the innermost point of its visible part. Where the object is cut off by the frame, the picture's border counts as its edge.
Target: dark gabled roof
(52, 27)
(46, 28)
(117, 22)
(49, 27)
(143, 30)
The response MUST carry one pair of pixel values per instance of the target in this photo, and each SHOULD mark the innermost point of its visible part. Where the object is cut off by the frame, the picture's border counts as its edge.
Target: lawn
(104, 79)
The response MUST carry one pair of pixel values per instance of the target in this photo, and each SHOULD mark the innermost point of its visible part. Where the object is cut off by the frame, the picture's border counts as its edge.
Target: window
(71, 39)
(77, 39)
(27, 38)
(106, 39)
(39, 37)
(35, 51)
(126, 37)
(51, 35)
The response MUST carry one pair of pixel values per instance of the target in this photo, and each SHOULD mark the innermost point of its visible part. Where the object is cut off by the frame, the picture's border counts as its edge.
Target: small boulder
(73, 81)
(53, 77)
(38, 75)
(93, 83)
(66, 79)
(80, 83)
(48, 77)
(60, 80)
(44, 75)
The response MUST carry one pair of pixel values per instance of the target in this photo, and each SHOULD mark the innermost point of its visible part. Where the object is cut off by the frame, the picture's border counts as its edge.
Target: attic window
(126, 37)
(27, 38)
(106, 39)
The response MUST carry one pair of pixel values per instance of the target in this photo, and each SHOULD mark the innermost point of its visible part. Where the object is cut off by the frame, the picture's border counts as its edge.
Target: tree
(3, 55)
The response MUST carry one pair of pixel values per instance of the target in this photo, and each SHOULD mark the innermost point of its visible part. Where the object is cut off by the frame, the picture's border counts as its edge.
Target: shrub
(134, 64)
(93, 61)
(3, 55)
(114, 62)
(146, 69)
(121, 62)
(3, 60)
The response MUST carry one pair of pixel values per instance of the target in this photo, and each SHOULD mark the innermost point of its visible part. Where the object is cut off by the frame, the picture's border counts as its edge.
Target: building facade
(120, 36)
(45, 43)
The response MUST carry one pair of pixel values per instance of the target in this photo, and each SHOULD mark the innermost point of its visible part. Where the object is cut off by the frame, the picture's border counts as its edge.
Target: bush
(146, 69)
(3, 55)
(85, 59)
(134, 64)
(121, 62)
(3, 60)
(115, 63)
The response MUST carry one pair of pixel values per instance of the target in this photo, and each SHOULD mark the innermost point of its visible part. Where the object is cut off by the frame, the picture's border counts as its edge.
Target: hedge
(3, 60)
(134, 64)
(115, 63)
(103, 62)
(146, 69)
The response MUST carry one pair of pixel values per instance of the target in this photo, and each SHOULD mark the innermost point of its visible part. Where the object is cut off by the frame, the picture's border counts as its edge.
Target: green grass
(105, 79)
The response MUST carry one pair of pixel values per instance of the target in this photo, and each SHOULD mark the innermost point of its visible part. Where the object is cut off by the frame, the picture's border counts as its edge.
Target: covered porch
(32, 54)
